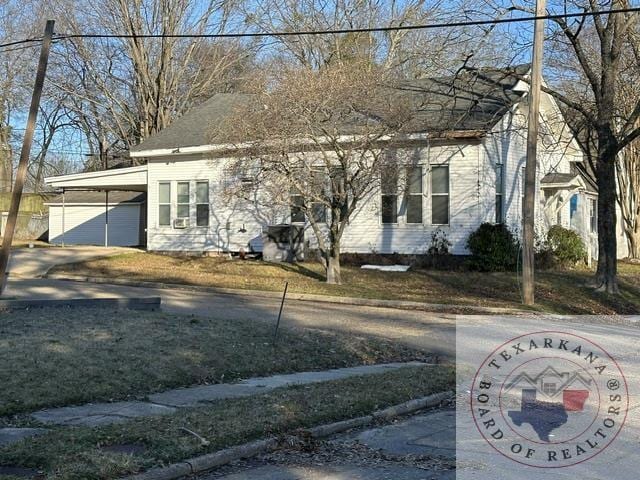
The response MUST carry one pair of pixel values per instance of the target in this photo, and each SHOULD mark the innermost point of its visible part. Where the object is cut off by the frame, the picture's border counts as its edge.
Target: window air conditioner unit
(180, 223)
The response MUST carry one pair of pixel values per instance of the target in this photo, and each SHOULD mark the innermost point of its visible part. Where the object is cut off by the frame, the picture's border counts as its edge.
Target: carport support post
(106, 218)
(63, 212)
(24, 154)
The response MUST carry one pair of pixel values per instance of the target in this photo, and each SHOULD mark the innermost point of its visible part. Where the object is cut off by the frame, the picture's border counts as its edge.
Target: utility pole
(24, 154)
(529, 210)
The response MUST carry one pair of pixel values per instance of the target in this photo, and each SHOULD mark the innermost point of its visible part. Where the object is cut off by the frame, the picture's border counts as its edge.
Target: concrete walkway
(36, 262)
(421, 447)
(168, 402)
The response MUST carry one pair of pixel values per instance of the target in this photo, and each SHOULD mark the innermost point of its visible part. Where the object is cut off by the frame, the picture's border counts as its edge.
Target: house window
(499, 193)
(549, 388)
(573, 209)
(183, 200)
(389, 198)
(296, 200)
(593, 215)
(164, 204)
(319, 189)
(319, 212)
(440, 194)
(202, 204)
(414, 195)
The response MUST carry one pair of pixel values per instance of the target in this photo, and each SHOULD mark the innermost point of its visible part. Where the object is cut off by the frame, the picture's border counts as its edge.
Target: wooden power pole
(529, 208)
(24, 154)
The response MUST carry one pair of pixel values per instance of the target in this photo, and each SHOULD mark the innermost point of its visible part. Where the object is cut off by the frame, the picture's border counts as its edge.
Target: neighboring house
(469, 147)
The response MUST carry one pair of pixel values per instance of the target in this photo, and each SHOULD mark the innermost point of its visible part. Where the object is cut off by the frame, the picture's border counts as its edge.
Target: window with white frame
(499, 193)
(202, 204)
(164, 204)
(296, 202)
(414, 194)
(389, 197)
(183, 200)
(318, 188)
(440, 194)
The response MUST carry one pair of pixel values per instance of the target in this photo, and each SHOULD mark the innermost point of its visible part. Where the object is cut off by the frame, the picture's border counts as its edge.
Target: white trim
(210, 148)
(89, 204)
(96, 174)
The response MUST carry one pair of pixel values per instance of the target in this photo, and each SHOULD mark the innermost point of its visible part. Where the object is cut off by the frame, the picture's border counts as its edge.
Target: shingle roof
(554, 178)
(98, 197)
(195, 127)
(473, 100)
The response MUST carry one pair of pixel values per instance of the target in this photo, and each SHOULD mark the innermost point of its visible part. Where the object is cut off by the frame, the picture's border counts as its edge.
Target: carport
(115, 183)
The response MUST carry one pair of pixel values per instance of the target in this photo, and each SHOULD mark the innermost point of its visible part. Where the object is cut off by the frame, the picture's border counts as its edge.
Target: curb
(144, 303)
(206, 462)
(306, 297)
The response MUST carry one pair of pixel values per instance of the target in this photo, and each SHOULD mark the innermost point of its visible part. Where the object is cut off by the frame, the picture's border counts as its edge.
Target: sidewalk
(420, 447)
(164, 403)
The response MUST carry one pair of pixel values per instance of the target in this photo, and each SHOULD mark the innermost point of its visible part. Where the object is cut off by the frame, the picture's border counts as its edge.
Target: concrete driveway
(35, 262)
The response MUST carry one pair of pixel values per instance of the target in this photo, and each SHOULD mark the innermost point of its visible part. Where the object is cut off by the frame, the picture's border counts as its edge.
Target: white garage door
(85, 225)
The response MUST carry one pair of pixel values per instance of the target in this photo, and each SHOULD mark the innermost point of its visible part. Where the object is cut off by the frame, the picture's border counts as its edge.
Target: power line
(20, 42)
(356, 30)
(469, 23)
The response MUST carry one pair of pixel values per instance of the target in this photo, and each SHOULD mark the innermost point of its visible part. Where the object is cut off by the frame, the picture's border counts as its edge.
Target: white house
(469, 142)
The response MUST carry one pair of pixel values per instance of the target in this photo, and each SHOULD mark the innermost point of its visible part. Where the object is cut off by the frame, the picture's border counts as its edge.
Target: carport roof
(130, 179)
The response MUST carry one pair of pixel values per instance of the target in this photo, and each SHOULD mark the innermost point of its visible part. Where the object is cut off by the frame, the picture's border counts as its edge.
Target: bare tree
(312, 142)
(412, 53)
(585, 72)
(125, 89)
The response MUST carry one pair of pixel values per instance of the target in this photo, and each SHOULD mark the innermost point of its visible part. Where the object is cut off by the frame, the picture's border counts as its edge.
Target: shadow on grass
(299, 269)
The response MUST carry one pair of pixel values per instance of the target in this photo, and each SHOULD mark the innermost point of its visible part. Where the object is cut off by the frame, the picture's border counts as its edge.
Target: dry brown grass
(557, 291)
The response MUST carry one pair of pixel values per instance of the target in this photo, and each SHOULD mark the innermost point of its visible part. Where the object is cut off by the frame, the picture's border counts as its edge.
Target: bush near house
(493, 247)
(566, 246)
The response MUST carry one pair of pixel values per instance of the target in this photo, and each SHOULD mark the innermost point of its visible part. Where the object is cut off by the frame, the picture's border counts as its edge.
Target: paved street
(432, 332)
(478, 336)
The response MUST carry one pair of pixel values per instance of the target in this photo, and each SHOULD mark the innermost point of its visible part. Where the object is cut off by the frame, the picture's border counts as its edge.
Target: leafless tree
(585, 70)
(312, 142)
(125, 89)
(411, 53)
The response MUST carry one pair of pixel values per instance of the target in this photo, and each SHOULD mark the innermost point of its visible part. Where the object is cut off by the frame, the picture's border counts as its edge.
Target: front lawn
(557, 291)
(54, 357)
(83, 453)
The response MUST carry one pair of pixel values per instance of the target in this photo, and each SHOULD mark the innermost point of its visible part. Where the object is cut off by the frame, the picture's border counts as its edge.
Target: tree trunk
(333, 266)
(633, 238)
(606, 274)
